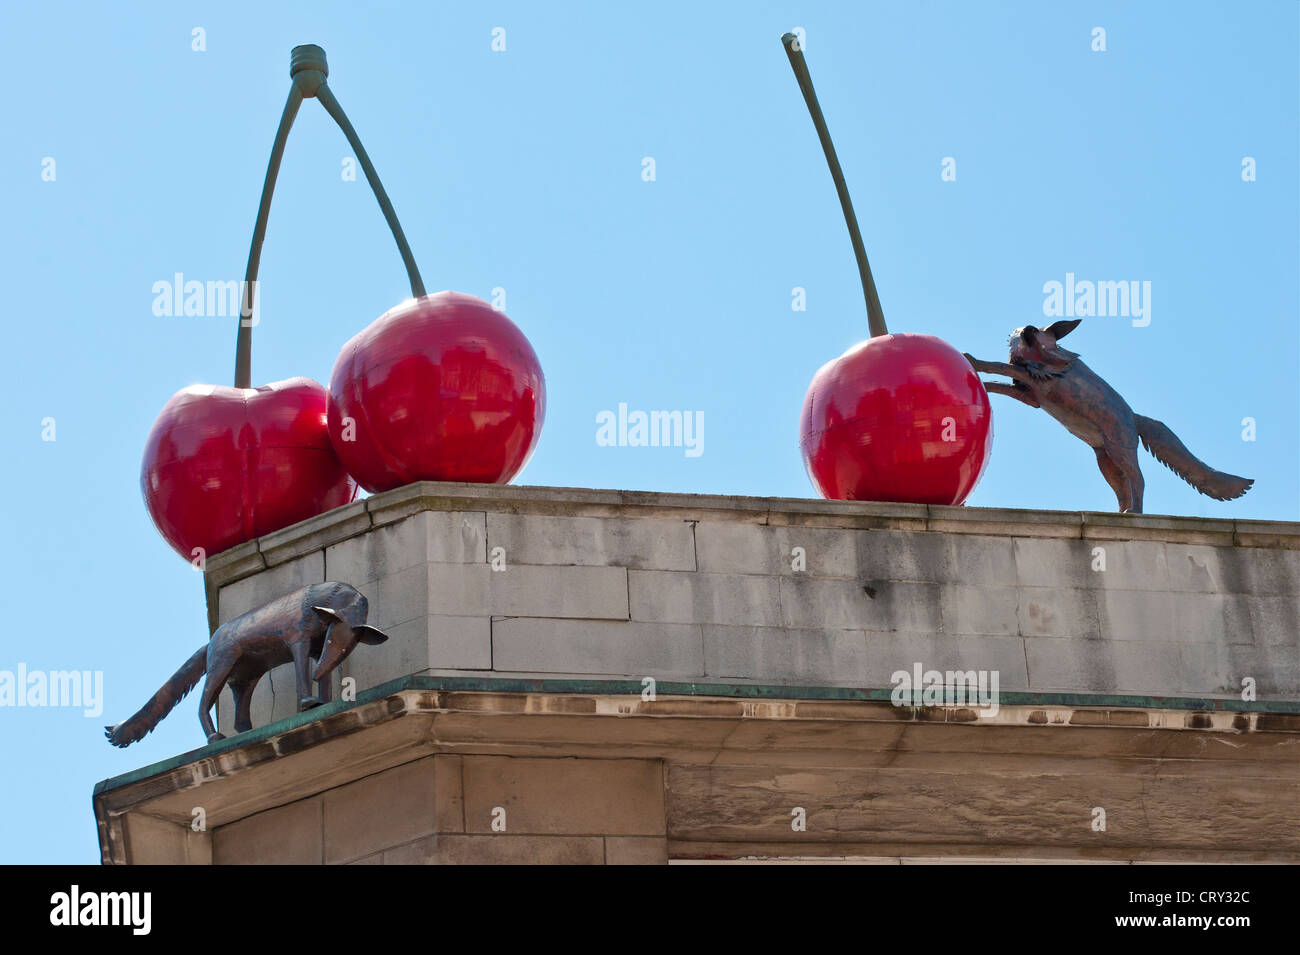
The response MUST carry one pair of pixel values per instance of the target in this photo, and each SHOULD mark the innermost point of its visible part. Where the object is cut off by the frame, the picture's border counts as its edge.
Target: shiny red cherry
(225, 465)
(896, 418)
(439, 388)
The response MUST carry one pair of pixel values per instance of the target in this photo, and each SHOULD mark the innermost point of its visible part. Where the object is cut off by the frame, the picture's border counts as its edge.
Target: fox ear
(371, 635)
(327, 615)
(1059, 330)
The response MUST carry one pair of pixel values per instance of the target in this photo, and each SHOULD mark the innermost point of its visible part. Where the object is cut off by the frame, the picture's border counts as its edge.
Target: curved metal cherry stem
(875, 315)
(308, 70)
(326, 97)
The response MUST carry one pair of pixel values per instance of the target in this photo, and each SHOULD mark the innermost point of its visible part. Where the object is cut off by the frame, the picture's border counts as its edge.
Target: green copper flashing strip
(875, 315)
(597, 687)
(308, 70)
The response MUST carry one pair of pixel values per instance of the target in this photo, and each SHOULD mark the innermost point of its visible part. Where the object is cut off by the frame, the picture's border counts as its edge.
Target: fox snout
(340, 640)
(334, 653)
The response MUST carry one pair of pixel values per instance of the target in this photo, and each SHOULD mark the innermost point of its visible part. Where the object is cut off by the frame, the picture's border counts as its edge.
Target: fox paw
(214, 737)
(309, 703)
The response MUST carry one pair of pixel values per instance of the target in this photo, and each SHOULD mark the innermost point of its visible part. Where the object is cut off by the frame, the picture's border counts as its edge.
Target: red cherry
(896, 418)
(439, 388)
(225, 465)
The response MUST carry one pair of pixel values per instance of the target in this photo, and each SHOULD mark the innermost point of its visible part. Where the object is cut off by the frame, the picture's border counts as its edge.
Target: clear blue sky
(523, 170)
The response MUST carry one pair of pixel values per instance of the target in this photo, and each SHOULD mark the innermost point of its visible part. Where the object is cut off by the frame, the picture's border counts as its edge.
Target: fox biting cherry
(1045, 375)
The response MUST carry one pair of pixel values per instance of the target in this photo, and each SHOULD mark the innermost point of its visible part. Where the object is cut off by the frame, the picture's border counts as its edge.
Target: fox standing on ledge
(321, 621)
(1045, 375)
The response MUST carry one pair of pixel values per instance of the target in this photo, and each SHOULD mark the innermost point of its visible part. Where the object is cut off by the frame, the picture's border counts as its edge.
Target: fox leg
(302, 674)
(998, 368)
(1126, 460)
(243, 691)
(211, 690)
(1114, 477)
(1011, 391)
(325, 688)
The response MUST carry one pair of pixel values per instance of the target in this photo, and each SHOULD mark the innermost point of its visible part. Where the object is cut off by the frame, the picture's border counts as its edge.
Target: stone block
(1219, 670)
(314, 534)
(674, 597)
(1274, 621)
(878, 604)
(448, 537)
(286, 835)
(1109, 525)
(1139, 615)
(904, 556)
(154, 841)
(981, 561)
(564, 796)
(502, 849)
(1148, 667)
(1002, 521)
(888, 653)
(397, 597)
(379, 811)
(1199, 568)
(1268, 571)
(646, 544)
(1259, 571)
(522, 590)
(968, 609)
(621, 648)
(449, 804)
(1052, 612)
(738, 548)
(778, 655)
(1128, 565)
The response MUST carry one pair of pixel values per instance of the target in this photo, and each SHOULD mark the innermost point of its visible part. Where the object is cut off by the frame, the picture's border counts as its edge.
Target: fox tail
(1173, 454)
(162, 702)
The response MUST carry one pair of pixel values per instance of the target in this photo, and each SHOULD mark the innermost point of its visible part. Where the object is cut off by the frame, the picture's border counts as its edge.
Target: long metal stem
(331, 104)
(244, 340)
(875, 315)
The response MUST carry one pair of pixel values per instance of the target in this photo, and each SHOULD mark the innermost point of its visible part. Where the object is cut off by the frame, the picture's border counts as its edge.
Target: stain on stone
(869, 591)
(1084, 717)
(1200, 574)
(1038, 716)
(1128, 718)
(1278, 722)
(1040, 615)
(1199, 721)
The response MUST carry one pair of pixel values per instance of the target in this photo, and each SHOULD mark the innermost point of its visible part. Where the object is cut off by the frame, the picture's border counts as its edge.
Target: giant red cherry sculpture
(440, 388)
(896, 417)
(224, 465)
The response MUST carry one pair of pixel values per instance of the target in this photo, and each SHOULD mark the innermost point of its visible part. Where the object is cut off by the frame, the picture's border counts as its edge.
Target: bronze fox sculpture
(1045, 375)
(323, 622)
